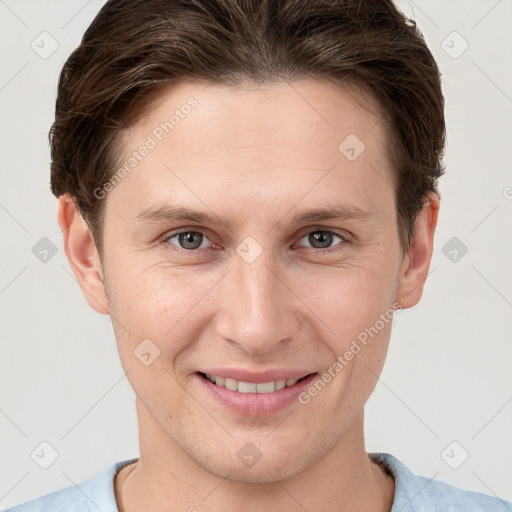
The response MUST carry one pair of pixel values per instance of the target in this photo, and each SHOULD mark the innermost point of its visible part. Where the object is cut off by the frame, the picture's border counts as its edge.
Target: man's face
(268, 293)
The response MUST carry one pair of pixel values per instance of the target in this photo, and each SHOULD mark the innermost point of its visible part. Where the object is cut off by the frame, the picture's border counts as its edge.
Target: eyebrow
(159, 213)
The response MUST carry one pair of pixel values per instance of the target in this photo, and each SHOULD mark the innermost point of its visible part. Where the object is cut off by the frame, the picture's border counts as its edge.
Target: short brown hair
(133, 48)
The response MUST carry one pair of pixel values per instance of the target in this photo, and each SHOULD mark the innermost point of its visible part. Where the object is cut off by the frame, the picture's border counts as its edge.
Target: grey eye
(189, 240)
(321, 239)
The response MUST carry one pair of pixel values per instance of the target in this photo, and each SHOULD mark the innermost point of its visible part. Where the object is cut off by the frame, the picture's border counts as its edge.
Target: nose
(259, 309)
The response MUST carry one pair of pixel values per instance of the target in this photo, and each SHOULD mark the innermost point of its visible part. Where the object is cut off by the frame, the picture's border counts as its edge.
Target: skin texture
(256, 156)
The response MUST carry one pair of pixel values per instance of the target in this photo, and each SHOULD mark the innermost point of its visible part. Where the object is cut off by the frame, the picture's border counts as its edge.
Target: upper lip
(257, 376)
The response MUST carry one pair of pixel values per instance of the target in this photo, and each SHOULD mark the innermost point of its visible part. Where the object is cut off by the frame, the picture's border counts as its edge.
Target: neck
(165, 477)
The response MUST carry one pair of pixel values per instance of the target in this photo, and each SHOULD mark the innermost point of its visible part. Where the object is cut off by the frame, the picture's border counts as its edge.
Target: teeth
(251, 387)
(266, 387)
(247, 387)
(231, 384)
(280, 384)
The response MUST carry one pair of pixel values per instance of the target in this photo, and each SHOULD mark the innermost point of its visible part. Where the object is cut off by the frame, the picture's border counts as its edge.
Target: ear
(416, 263)
(82, 255)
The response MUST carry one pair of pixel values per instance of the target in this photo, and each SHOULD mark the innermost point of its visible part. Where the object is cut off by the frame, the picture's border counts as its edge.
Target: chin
(263, 471)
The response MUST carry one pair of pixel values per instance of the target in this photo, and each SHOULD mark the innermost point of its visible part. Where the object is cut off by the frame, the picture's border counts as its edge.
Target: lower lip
(256, 404)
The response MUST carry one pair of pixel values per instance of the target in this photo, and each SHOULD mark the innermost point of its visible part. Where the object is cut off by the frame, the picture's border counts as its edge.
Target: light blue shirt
(412, 493)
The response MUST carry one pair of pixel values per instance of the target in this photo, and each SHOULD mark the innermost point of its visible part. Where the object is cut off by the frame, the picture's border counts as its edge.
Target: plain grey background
(443, 404)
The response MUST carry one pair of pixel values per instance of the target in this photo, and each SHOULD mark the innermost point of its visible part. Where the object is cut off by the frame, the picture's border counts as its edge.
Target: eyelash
(190, 252)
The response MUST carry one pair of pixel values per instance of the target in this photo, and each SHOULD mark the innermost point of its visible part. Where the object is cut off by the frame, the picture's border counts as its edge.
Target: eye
(188, 240)
(321, 240)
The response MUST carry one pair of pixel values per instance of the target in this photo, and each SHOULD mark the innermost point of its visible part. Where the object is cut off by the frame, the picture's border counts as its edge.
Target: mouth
(241, 386)
(254, 394)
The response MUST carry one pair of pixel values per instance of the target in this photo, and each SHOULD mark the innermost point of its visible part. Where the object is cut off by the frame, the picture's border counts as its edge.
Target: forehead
(296, 111)
(250, 136)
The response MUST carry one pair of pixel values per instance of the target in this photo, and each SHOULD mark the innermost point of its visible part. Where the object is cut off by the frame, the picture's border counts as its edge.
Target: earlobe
(82, 255)
(416, 263)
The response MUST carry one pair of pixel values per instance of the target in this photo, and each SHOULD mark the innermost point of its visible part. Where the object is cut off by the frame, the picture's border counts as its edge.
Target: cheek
(349, 300)
(152, 308)
(160, 304)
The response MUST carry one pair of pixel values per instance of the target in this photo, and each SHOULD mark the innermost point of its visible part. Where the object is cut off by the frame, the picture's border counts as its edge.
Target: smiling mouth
(252, 387)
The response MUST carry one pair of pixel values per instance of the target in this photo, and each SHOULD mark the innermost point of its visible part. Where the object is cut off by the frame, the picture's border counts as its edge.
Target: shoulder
(419, 493)
(94, 494)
